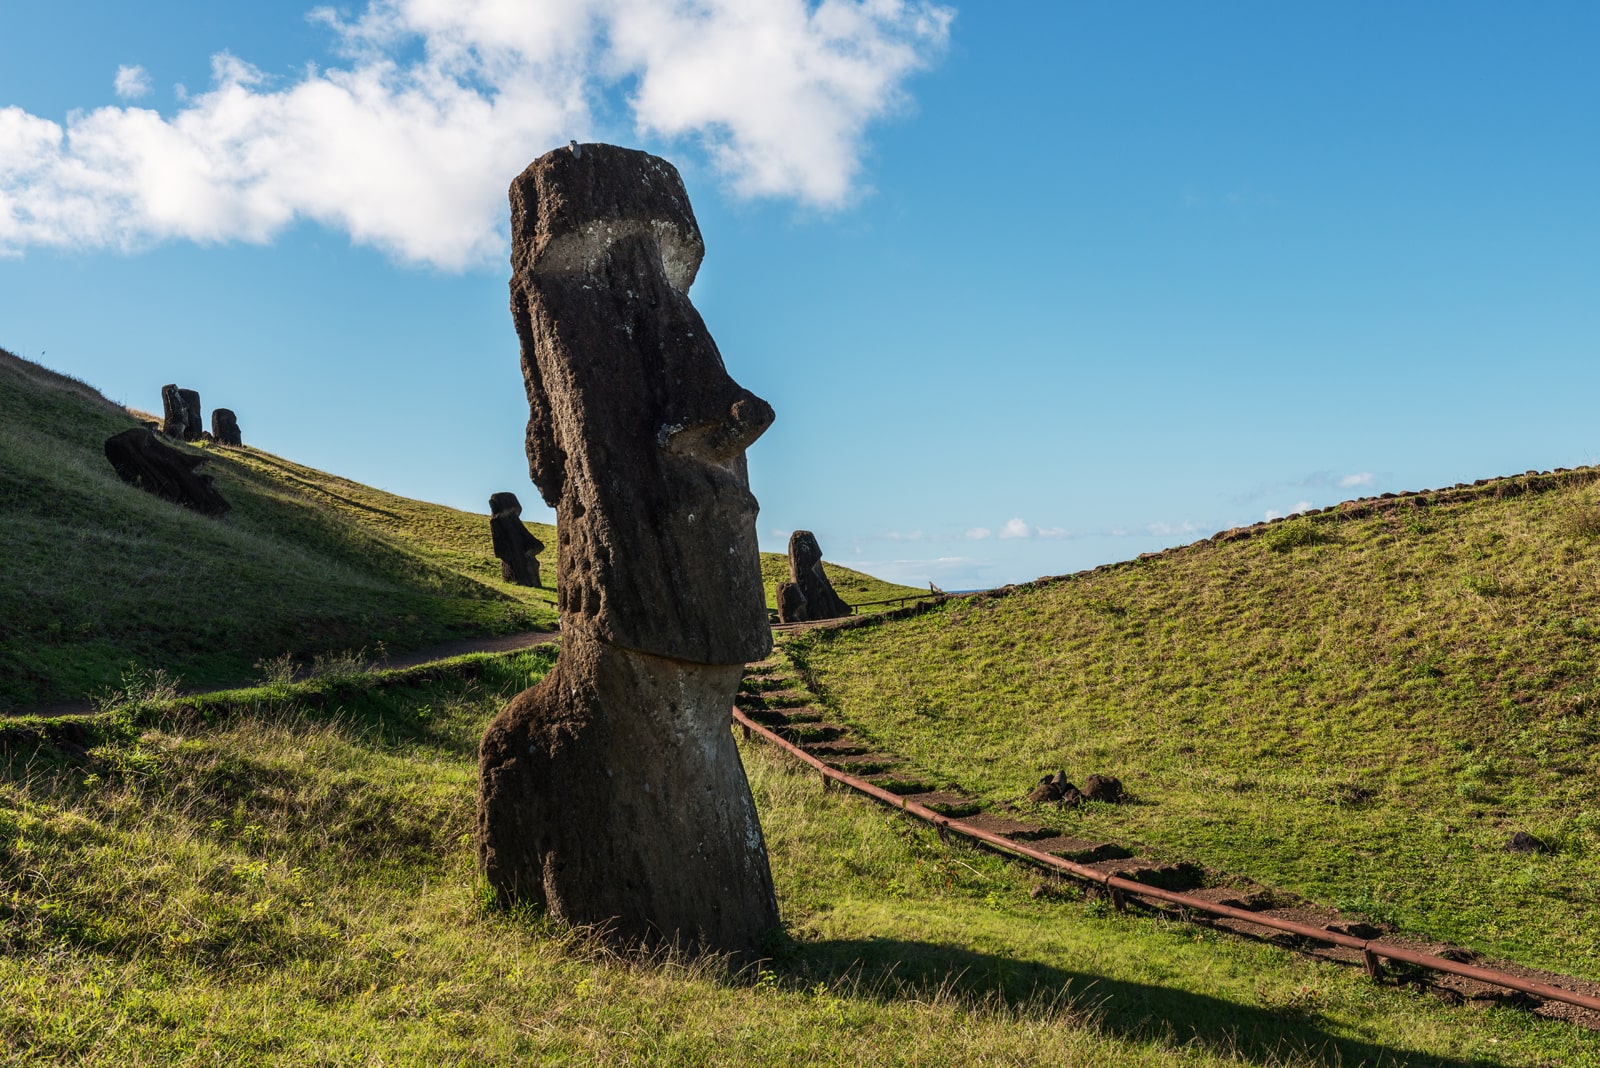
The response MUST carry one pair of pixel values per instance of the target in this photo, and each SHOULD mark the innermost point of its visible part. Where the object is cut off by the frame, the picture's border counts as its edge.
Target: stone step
(773, 717)
(806, 733)
(1180, 876)
(859, 764)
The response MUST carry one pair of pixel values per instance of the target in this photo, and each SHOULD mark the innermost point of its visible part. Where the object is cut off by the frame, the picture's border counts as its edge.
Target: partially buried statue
(142, 460)
(808, 594)
(611, 793)
(517, 549)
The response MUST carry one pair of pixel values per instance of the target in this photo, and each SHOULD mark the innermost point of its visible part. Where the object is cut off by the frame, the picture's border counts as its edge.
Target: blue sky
(1032, 286)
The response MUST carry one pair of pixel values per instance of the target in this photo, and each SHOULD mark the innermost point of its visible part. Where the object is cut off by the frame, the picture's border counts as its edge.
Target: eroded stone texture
(194, 423)
(142, 460)
(225, 427)
(805, 571)
(174, 413)
(612, 792)
(791, 603)
(514, 545)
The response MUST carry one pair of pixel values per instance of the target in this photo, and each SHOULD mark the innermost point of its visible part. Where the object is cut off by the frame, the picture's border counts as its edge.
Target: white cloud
(1362, 479)
(1016, 528)
(132, 82)
(1167, 530)
(1053, 533)
(895, 535)
(978, 534)
(410, 149)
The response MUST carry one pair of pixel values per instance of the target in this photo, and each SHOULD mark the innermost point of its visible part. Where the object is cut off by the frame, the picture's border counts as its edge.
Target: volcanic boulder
(142, 460)
(611, 793)
(791, 603)
(515, 546)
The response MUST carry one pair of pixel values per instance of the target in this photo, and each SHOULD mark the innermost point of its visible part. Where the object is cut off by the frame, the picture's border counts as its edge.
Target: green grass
(1357, 710)
(285, 876)
(96, 575)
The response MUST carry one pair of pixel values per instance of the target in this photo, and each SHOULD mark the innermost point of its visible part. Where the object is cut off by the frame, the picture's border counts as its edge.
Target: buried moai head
(637, 433)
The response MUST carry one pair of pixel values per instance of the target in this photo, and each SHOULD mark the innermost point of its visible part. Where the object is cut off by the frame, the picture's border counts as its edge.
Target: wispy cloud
(978, 534)
(910, 535)
(131, 82)
(410, 144)
(1052, 533)
(1167, 530)
(1362, 479)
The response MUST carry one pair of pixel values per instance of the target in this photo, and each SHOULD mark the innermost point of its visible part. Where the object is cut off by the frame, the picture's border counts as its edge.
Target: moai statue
(611, 793)
(142, 460)
(174, 413)
(194, 426)
(805, 571)
(517, 549)
(225, 427)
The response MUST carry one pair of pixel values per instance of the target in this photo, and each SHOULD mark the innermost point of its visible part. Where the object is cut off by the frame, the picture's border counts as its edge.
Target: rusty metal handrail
(1371, 949)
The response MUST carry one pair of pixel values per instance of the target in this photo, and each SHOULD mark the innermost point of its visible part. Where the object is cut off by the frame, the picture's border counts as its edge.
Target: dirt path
(505, 643)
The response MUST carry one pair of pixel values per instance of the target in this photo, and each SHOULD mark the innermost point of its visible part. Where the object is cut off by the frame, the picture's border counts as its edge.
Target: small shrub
(140, 686)
(1293, 533)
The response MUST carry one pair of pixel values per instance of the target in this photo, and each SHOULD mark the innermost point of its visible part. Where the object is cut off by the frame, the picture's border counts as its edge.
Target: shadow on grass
(890, 969)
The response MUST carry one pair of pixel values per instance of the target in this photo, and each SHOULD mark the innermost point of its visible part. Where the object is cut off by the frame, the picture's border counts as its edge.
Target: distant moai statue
(181, 416)
(174, 413)
(611, 793)
(515, 546)
(225, 427)
(194, 426)
(806, 575)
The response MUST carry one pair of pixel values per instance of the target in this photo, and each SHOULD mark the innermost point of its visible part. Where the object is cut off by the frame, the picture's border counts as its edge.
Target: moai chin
(611, 793)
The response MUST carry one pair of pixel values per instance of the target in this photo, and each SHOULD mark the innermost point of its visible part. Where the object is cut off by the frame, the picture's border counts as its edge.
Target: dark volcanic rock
(612, 793)
(791, 603)
(142, 460)
(515, 546)
(1523, 842)
(805, 571)
(225, 427)
(1055, 788)
(1102, 788)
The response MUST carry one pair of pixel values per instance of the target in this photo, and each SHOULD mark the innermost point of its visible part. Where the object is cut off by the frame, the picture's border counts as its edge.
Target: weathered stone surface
(805, 571)
(194, 424)
(612, 792)
(142, 460)
(225, 427)
(174, 412)
(1106, 788)
(791, 603)
(514, 545)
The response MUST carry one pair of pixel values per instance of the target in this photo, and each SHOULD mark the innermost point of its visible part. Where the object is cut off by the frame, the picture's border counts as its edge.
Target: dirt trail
(505, 643)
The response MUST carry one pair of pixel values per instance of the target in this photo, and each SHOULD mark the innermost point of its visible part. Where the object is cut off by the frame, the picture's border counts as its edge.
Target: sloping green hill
(1361, 706)
(96, 575)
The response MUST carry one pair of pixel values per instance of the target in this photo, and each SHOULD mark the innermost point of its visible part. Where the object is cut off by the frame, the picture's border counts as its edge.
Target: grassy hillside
(1360, 706)
(285, 876)
(96, 575)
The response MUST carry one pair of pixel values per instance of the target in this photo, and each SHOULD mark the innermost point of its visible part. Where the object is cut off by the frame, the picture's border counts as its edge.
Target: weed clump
(1582, 522)
(1293, 533)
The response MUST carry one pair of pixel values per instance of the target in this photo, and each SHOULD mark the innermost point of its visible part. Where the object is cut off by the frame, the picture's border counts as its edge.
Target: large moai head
(636, 433)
